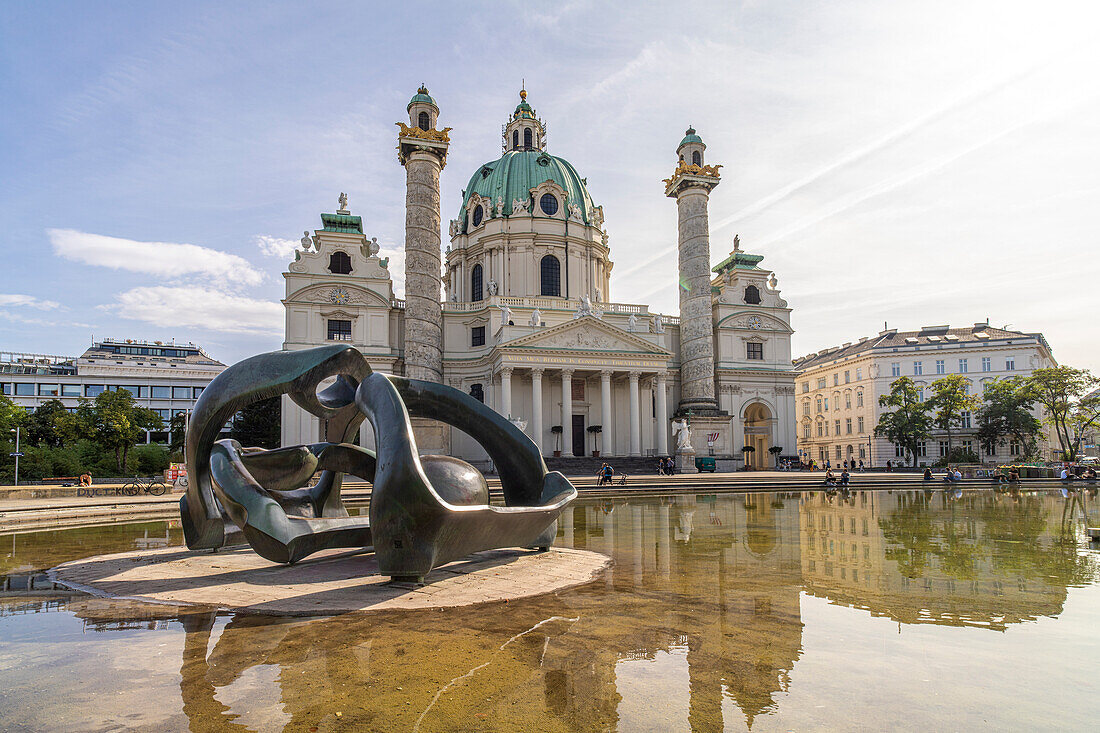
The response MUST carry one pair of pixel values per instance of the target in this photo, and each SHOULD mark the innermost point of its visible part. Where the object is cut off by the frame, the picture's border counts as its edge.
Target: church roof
(513, 175)
(421, 96)
(690, 137)
(342, 223)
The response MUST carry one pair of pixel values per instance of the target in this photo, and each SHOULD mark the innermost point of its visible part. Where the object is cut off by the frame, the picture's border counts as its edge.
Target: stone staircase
(587, 466)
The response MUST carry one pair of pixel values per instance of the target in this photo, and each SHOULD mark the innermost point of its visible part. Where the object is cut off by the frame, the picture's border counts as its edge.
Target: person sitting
(844, 477)
(1067, 475)
(958, 474)
(830, 479)
(998, 476)
(85, 479)
(1090, 474)
(1014, 475)
(927, 473)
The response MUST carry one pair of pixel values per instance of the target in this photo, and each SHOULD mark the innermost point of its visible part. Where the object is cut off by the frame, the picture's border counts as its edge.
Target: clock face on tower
(339, 296)
(754, 323)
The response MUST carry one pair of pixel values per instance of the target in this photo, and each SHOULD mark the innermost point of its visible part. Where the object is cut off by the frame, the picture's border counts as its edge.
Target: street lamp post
(16, 454)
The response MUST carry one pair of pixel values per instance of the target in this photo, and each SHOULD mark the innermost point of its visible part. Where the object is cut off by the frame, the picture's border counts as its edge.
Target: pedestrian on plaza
(861, 465)
(888, 467)
(828, 465)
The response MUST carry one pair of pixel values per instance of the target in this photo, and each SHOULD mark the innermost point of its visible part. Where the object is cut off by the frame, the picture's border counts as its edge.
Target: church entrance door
(578, 435)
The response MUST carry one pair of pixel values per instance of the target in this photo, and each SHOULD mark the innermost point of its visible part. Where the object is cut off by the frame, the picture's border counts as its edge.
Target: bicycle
(622, 479)
(151, 485)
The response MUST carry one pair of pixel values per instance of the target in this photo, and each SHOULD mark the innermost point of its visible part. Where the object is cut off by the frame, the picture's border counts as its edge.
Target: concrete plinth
(329, 582)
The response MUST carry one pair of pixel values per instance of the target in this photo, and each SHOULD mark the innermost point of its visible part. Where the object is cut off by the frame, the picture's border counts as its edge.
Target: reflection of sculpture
(682, 430)
(416, 522)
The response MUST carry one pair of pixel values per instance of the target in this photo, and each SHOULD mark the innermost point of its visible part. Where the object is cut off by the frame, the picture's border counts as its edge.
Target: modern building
(526, 321)
(163, 376)
(839, 388)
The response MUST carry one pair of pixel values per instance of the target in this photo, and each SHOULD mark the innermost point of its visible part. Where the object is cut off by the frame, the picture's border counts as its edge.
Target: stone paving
(329, 582)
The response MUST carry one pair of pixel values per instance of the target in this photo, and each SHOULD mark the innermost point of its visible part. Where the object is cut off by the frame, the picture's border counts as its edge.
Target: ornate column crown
(421, 133)
(691, 170)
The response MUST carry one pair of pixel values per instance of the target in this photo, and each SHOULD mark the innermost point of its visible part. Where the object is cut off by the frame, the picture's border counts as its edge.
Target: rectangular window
(198, 391)
(826, 404)
(144, 391)
(895, 369)
(820, 429)
(918, 368)
(964, 419)
(862, 451)
(991, 450)
(5, 388)
(805, 387)
(181, 393)
(1014, 448)
(578, 389)
(848, 426)
(859, 399)
(160, 393)
(755, 351)
(821, 382)
(821, 457)
(943, 448)
(806, 408)
(339, 330)
(818, 405)
(859, 424)
(71, 390)
(899, 452)
(922, 449)
(836, 379)
(837, 452)
(859, 373)
(132, 389)
(920, 394)
(836, 427)
(477, 336)
(847, 400)
(987, 364)
(962, 366)
(968, 446)
(806, 431)
(93, 390)
(941, 366)
(1010, 364)
(48, 390)
(847, 376)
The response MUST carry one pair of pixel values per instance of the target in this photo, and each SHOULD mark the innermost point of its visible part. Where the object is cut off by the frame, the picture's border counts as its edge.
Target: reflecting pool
(801, 611)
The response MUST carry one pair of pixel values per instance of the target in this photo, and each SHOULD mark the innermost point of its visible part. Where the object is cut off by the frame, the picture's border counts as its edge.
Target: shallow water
(781, 612)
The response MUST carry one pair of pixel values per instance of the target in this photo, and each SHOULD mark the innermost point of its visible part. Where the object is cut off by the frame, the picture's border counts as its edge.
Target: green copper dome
(517, 172)
(422, 96)
(690, 137)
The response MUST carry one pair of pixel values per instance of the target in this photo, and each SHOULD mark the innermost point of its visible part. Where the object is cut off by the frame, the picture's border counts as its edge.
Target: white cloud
(27, 301)
(199, 307)
(274, 246)
(167, 260)
(7, 317)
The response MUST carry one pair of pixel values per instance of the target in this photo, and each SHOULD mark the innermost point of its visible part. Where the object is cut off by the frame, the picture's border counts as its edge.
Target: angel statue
(682, 430)
(505, 314)
(343, 201)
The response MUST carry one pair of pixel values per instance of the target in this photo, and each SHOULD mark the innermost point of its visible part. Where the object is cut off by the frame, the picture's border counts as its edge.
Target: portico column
(635, 417)
(662, 415)
(536, 407)
(506, 391)
(605, 413)
(567, 412)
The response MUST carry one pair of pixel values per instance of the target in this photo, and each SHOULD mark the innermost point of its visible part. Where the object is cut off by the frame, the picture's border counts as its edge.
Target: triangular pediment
(586, 334)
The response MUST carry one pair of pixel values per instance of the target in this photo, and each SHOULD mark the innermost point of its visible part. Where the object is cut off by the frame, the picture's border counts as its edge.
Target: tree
(46, 426)
(1006, 412)
(258, 424)
(909, 422)
(177, 430)
(119, 423)
(1071, 399)
(950, 399)
(11, 415)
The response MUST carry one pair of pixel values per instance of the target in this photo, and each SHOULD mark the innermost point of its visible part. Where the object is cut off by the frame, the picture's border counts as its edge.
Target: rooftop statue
(425, 511)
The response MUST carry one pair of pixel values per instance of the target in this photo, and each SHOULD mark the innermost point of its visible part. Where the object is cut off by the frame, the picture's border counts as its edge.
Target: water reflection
(698, 624)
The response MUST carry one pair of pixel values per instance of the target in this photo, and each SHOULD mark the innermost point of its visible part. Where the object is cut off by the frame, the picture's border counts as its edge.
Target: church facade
(517, 310)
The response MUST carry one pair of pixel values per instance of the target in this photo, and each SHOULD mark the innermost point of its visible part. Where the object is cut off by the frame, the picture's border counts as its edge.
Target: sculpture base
(329, 582)
(685, 460)
(692, 409)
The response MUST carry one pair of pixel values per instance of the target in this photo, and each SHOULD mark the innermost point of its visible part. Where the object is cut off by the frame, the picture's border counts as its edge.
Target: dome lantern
(691, 148)
(524, 131)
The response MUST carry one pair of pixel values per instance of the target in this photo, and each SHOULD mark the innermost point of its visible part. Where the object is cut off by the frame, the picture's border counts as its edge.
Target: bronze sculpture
(425, 511)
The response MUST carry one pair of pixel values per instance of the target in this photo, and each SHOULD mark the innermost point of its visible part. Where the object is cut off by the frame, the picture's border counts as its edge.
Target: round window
(549, 204)
(478, 214)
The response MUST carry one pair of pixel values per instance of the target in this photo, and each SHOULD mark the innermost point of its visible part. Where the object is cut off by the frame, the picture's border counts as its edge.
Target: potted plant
(745, 450)
(595, 430)
(775, 450)
(556, 430)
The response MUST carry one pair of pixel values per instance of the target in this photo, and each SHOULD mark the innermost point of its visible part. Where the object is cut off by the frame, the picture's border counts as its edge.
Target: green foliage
(11, 415)
(258, 424)
(957, 455)
(119, 423)
(177, 428)
(46, 426)
(1006, 414)
(949, 401)
(1071, 398)
(910, 420)
(148, 460)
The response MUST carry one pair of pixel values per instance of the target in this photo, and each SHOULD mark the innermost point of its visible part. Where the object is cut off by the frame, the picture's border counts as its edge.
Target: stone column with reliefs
(422, 149)
(536, 426)
(691, 184)
(567, 412)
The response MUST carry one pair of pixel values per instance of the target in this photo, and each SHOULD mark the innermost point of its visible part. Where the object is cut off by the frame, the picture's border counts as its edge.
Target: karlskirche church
(517, 310)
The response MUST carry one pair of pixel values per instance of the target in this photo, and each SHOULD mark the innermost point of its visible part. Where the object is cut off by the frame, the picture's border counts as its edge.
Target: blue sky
(912, 162)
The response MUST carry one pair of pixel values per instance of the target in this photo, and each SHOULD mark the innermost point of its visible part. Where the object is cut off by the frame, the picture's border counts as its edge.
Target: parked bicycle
(151, 485)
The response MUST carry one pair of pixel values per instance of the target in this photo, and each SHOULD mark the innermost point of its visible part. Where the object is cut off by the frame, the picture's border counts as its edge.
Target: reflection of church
(527, 323)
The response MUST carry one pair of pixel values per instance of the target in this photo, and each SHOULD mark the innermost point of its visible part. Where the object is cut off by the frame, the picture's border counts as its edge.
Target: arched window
(549, 204)
(696, 158)
(515, 139)
(551, 275)
(477, 392)
(752, 295)
(339, 263)
(475, 282)
(479, 214)
(423, 121)
(527, 137)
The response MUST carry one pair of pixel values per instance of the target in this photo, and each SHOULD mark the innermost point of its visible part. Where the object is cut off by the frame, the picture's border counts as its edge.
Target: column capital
(537, 372)
(506, 371)
(634, 376)
(607, 373)
(661, 377)
(567, 373)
